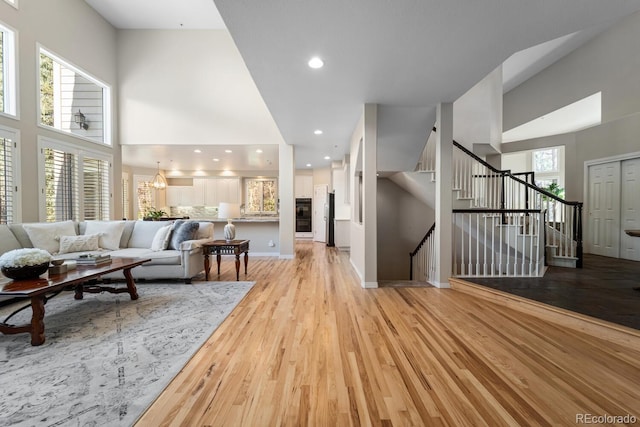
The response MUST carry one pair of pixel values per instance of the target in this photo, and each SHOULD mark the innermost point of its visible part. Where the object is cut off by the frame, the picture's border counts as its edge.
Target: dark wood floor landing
(605, 288)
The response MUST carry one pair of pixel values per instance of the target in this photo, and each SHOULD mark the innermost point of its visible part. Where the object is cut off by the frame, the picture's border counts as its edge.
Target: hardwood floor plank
(309, 346)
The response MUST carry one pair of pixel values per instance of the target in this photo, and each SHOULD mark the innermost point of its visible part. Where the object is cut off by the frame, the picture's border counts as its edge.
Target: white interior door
(320, 200)
(630, 209)
(604, 209)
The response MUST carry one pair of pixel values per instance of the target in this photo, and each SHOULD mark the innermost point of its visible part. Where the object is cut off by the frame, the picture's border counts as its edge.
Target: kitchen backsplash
(194, 212)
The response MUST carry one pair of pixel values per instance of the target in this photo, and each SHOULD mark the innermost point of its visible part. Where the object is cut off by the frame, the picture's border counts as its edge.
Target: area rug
(107, 358)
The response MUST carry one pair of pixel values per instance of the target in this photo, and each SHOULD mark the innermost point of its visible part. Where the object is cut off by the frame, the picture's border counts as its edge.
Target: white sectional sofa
(131, 239)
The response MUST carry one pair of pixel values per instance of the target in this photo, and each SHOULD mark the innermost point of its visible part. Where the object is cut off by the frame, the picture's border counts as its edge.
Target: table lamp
(229, 211)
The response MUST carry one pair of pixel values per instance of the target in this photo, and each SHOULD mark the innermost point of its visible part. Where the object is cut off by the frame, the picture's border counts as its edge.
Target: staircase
(504, 225)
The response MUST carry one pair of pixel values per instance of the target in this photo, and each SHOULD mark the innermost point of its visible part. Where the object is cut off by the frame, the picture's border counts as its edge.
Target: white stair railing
(498, 243)
(423, 260)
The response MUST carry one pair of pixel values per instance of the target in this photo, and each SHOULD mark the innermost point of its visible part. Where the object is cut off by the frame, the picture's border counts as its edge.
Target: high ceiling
(406, 56)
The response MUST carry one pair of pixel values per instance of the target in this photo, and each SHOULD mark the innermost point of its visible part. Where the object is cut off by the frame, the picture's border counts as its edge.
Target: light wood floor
(308, 346)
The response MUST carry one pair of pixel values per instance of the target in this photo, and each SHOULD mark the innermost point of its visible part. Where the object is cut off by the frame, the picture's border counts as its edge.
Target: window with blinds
(7, 186)
(61, 185)
(95, 189)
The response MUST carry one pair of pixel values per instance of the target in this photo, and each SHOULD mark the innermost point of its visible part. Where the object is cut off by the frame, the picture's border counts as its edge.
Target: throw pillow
(205, 231)
(183, 231)
(161, 239)
(109, 231)
(45, 235)
(85, 242)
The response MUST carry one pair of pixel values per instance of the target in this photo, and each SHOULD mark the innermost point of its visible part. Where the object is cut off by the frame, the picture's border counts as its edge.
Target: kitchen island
(263, 231)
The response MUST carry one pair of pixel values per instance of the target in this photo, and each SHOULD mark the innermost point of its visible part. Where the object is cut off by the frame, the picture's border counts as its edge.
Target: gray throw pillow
(182, 231)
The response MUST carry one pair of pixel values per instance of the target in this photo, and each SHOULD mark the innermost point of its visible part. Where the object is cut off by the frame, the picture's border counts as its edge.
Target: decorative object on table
(58, 267)
(26, 263)
(229, 211)
(93, 259)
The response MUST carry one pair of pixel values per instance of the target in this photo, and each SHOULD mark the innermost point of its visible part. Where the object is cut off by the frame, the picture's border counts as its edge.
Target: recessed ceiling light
(327, 157)
(228, 151)
(308, 165)
(197, 151)
(216, 160)
(258, 151)
(316, 62)
(317, 132)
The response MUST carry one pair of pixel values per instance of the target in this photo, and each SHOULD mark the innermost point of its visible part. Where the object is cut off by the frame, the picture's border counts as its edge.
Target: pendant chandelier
(159, 183)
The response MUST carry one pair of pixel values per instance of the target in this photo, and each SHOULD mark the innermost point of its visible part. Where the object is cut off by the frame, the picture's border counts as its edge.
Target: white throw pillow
(161, 239)
(84, 242)
(205, 231)
(45, 235)
(109, 231)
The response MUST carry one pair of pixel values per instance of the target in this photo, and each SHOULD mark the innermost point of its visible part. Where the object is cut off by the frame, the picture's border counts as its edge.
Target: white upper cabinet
(205, 192)
(303, 186)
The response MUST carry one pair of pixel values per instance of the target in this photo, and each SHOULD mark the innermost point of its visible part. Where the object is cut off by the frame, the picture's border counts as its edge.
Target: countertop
(243, 219)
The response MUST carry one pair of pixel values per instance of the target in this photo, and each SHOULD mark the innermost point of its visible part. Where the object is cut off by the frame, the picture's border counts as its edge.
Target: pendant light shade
(159, 183)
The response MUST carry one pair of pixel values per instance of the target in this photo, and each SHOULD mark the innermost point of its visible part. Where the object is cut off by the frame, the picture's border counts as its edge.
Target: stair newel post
(578, 225)
(502, 199)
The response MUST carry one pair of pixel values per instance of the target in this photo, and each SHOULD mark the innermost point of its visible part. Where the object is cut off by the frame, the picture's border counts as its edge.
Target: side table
(225, 247)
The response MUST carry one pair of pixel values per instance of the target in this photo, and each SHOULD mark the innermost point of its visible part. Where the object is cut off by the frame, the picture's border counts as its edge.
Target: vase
(25, 272)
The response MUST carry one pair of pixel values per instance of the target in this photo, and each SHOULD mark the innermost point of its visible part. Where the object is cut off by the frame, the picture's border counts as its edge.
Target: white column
(370, 195)
(286, 160)
(444, 194)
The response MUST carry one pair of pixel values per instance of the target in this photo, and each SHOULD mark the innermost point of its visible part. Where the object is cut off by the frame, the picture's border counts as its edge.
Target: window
(548, 165)
(68, 194)
(261, 196)
(72, 101)
(8, 176)
(125, 195)
(8, 85)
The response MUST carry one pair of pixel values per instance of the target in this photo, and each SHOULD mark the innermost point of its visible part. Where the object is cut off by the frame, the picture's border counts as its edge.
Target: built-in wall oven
(303, 215)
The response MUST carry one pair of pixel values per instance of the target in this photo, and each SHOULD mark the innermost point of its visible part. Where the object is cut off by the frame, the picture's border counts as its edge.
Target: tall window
(8, 180)
(126, 208)
(76, 183)
(73, 101)
(261, 196)
(8, 86)
(61, 185)
(95, 173)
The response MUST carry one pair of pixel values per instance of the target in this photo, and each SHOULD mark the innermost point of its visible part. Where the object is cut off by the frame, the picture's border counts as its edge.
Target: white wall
(609, 63)
(186, 86)
(73, 30)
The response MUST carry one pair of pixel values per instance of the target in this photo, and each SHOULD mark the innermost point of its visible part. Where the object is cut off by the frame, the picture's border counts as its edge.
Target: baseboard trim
(608, 331)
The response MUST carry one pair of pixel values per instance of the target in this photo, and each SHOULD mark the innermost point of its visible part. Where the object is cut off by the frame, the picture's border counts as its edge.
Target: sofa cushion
(161, 239)
(182, 231)
(83, 242)
(144, 232)
(126, 233)
(46, 235)
(8, 241)
(110, 232)
(168, 257)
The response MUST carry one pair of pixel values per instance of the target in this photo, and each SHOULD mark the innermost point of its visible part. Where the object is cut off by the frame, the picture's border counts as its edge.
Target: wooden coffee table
(225, 247)
(38, 289)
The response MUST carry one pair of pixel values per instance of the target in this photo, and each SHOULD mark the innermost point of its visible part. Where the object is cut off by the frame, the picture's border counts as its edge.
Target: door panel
(630, 209)
(604, 209)
(320, 196)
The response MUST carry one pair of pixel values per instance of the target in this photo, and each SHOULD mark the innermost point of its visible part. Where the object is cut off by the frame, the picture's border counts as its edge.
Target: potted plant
(154, 214)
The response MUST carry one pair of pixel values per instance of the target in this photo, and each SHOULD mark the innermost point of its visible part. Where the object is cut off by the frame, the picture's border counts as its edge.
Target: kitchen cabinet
(212, 191)
(303, 186)
(180, 195)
